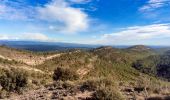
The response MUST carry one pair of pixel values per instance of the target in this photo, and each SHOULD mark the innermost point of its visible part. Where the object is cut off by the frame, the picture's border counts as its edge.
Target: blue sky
(111, 22)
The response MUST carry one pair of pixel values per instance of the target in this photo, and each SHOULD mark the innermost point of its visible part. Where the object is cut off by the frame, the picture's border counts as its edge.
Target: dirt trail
(39, 60)
(2, 57)
(53, 56)
(33, 60)
(23, 67)
(85, 70)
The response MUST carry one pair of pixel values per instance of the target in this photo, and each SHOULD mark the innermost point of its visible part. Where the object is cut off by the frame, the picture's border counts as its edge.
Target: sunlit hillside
(103, 73)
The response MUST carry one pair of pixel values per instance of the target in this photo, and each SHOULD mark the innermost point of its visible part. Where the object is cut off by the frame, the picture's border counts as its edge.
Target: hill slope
(158, 65)
(103, 72)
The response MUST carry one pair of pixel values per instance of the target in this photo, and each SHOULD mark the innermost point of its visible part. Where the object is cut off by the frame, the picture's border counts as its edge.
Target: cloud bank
(136, 34)
(59, 14)
(26, 36)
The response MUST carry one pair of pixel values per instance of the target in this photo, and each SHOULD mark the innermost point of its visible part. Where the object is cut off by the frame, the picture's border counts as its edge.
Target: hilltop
(103, 72)
(139, 48)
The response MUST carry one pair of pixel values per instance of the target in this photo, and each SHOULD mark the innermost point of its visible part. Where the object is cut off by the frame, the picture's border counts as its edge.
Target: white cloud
(60, 14)
(10, 10)
(4, 37)
(25, 36)
(8, 37)
(69, 19)
(34, 36)
(137, 34)
(154, 4)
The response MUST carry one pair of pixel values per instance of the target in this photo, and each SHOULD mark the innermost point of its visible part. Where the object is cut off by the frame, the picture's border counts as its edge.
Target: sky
(108, 22)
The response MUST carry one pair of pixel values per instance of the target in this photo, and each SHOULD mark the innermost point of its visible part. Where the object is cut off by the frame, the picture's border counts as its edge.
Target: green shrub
(104, 89)
(107, 93)
(64, 74)
(68, 85)
(3, 94)
(13, 81)
(94, 83)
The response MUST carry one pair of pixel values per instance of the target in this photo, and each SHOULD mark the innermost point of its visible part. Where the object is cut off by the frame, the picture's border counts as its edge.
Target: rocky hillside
(103, 73)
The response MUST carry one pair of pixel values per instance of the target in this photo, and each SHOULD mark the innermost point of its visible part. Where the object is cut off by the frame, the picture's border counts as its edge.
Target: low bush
(68, 85)
(103, 88)
(13, 80)
(107, 93)
(64, 74)
(3, 94)
(94, 83)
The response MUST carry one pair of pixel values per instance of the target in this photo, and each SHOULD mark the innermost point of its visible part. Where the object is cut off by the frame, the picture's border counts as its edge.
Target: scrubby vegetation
(103, 73)
(12, 81)
(104, 89)
(64, 74)
(158, 65)
(107, 93)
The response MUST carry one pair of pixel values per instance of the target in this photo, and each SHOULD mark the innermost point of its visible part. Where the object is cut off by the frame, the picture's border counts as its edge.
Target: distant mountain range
(45, 46)
(60, 46)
